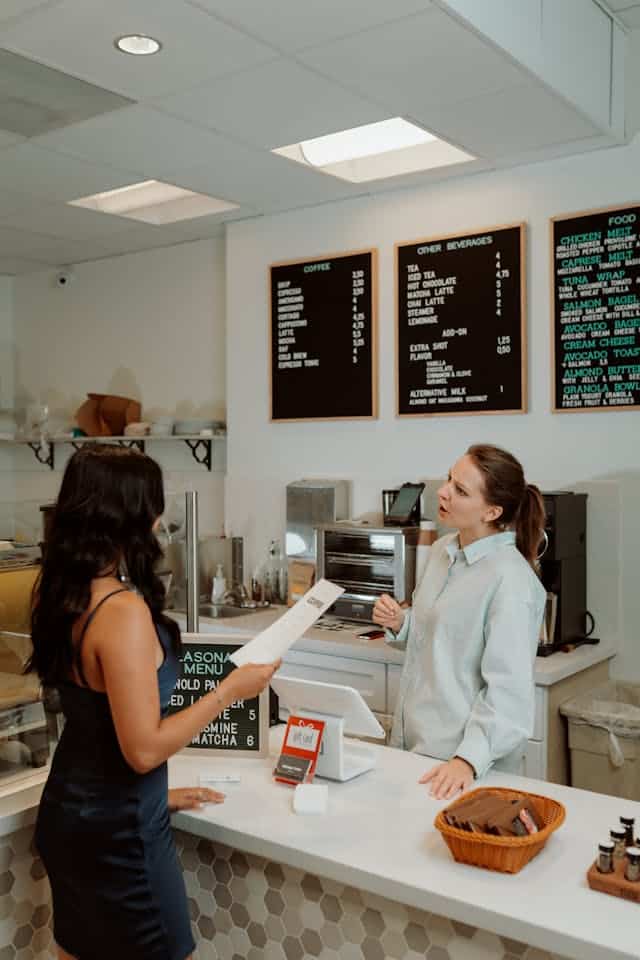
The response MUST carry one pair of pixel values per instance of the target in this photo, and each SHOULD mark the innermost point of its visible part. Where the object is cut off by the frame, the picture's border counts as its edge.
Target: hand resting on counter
(449, 778)
(192, 798)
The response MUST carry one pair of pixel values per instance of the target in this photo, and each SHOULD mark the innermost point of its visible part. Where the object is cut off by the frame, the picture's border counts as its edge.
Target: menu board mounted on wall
(242, 730)
(324, 337)
(461, 325)
(595, 336)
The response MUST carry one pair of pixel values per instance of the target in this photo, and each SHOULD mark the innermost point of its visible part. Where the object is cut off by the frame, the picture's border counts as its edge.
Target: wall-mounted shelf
(201, 447)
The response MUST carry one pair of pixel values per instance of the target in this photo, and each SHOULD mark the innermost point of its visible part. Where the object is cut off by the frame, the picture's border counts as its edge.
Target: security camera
(64, 277)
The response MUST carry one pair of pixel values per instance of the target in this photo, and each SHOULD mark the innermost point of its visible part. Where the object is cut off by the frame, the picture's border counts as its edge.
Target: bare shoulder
(124, 612)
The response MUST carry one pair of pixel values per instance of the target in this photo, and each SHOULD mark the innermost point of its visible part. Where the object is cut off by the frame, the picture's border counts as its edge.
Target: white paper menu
(273, 642)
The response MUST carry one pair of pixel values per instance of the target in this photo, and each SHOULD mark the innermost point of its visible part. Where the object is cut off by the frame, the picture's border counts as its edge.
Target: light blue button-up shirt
(467, 685)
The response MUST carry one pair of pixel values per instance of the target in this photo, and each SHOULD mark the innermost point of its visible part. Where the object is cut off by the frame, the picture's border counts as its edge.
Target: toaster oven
(367, 561)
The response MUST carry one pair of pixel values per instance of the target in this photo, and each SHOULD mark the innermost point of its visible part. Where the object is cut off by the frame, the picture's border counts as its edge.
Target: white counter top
(348, 643)
(378, 835)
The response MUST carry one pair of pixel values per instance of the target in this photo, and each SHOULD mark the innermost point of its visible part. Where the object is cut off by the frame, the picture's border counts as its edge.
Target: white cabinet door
(364, 675)
(535, 760)
(394, 672)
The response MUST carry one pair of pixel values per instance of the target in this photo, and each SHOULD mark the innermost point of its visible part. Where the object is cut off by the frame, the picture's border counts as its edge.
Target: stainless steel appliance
(311, 503)
(367, 561)
(563, 570)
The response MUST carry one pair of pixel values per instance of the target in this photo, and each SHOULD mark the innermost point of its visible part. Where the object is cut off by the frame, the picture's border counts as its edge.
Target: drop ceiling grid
(196, 45)
(273, 105)
(292, 25)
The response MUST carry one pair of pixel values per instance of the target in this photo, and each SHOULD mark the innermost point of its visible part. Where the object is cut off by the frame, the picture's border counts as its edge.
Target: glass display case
(28, 730)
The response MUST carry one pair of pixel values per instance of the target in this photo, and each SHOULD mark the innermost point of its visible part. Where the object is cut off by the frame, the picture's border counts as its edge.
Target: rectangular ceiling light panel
(154, 202)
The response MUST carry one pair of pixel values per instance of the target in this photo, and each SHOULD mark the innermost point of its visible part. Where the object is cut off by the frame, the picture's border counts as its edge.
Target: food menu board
(242, 728)
(323, 337)
(596, 310)
(461, 329)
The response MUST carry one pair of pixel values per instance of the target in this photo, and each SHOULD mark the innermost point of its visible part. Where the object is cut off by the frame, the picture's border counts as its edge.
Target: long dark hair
(102, 522)
(521, 502)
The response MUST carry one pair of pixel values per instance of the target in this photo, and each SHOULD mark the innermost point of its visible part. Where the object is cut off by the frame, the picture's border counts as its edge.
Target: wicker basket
(505, 854)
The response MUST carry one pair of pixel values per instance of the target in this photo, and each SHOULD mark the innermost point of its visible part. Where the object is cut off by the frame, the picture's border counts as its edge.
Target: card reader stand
(338, 760)
(342, 709)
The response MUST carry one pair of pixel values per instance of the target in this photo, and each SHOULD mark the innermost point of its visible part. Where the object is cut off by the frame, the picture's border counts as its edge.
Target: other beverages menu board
(323, 337)
(596, 305)
(461, 324)
(238, 729)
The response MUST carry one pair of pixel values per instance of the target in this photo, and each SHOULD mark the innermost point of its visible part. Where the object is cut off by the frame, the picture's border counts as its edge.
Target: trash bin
(604, 739)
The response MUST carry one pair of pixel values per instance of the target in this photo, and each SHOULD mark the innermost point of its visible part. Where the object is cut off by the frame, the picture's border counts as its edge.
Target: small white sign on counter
(273, 642)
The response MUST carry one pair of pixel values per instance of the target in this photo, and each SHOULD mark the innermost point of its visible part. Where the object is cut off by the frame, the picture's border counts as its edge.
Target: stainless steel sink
(225, 610)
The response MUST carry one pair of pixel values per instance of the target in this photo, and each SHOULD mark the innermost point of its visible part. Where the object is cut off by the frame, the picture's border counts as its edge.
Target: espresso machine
(563, 570)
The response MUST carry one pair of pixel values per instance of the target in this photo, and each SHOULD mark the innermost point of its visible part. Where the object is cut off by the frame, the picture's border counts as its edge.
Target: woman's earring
(123, 573)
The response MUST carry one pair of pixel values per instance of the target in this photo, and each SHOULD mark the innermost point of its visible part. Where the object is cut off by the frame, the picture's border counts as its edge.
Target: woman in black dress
(99, 636)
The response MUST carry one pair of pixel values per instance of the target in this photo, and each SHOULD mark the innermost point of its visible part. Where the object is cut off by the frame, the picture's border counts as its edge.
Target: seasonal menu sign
(240, 729)
(461, 324)
(323, 338)
(596, 307)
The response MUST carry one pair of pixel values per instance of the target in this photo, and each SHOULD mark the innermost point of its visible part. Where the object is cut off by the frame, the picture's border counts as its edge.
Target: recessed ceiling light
(154, 202)
(374, 151)
(137, 44)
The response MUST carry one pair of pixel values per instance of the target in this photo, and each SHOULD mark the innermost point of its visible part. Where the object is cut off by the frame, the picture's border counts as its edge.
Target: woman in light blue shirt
(467, 688)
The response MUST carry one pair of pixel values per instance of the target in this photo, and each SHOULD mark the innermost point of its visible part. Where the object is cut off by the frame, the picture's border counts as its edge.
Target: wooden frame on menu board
(521, 406)
(372, 393)
(566, 218)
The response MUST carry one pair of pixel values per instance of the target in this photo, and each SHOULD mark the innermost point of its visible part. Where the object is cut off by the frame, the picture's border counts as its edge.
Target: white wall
(595, 452)
(7, 362)
(147, 325)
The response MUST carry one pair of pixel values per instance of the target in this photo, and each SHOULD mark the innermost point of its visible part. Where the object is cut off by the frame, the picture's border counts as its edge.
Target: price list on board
(323, 329)
(596, 305)
(461, 324)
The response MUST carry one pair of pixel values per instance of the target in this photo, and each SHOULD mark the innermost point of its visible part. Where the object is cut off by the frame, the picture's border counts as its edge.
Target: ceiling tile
(426, 59)
(292, 25)
(30, 169)
(11, 9)
(491, 126)
(13, 266)
(13, 202)
(274, 105)
(146, 238)
(9, 139)
(616, 5)
(61, 220)
(195, 44)
(137, 138)
(262, 180)
(35, 98)
(631, 17)
(37, 246)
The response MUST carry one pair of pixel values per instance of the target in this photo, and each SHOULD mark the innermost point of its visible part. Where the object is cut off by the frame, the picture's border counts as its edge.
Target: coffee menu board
(323, 337)
(243, 728)
(461, 335)
(596, 310)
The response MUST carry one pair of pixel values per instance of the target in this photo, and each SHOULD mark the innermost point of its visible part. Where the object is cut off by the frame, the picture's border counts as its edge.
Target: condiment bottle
(628, 824)
(632, 865)
(219, 586)
(256, 585)
(605, 856)
(618, 835)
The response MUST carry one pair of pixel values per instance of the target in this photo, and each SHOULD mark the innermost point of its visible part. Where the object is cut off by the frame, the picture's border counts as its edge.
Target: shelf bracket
(76, 444)
(47, 461)
(201, 451)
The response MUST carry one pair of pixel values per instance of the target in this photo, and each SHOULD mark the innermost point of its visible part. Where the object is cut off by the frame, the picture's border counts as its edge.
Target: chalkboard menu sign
(596, 310)
(461, 335)
(324, 338)
(243, 728)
